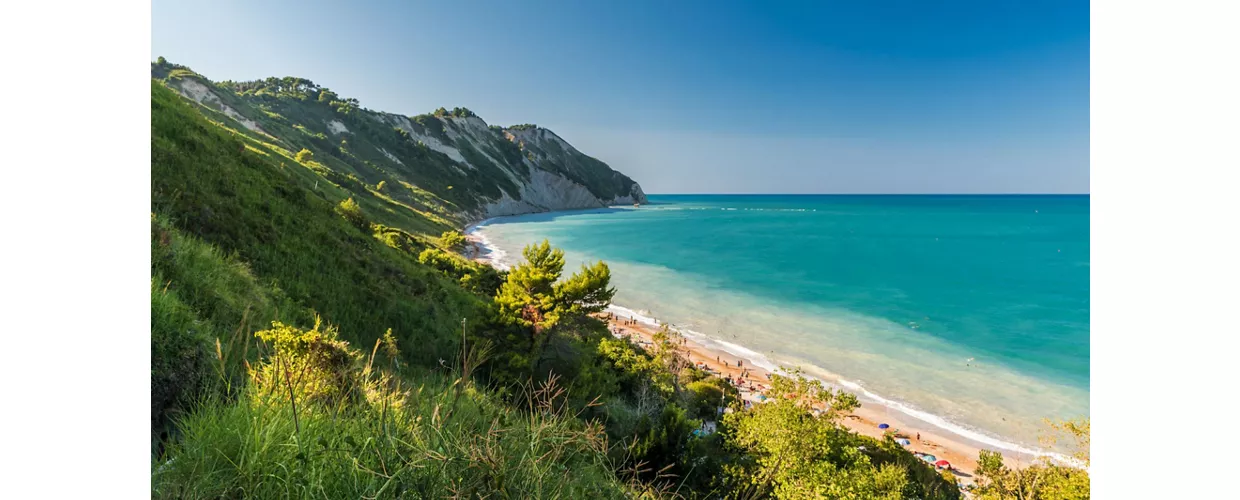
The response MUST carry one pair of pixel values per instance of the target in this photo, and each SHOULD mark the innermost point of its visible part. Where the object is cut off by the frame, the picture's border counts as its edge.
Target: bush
(352, 212)
(1043, 478)
(453, 240)
(311, 366)
(397, 238)
(304, 155)
(709, 394)
(478, 278)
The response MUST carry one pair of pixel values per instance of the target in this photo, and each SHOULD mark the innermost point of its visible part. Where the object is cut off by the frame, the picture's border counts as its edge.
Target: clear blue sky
(918, 96)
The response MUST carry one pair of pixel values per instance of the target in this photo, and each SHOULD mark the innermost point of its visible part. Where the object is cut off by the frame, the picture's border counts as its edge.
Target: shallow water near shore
(970, 313)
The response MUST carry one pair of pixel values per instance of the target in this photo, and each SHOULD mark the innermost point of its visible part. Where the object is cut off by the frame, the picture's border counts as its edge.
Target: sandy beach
(864, 420)
(924, 438)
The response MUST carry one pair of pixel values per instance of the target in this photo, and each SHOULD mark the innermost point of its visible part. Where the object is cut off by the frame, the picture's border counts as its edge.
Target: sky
(918, 96)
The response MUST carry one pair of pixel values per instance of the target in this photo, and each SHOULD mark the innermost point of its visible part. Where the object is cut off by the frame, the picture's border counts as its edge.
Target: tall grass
(445, 438)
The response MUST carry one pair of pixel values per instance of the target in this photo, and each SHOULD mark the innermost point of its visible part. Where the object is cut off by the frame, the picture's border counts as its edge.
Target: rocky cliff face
(552, 175)
(451, 162)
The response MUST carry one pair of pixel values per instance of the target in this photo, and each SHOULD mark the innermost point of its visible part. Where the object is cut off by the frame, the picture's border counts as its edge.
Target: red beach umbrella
(943, 463)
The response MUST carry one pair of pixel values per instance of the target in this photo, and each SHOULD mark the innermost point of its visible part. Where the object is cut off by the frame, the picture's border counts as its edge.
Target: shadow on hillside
(960, 473)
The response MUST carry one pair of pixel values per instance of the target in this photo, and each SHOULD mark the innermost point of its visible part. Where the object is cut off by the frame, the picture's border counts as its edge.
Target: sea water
(970, 313)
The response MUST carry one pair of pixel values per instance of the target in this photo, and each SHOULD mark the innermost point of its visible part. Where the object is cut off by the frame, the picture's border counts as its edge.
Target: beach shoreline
(925, 437)
(864, 420)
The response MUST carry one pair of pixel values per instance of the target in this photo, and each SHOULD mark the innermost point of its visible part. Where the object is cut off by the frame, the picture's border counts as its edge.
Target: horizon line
(867, 194)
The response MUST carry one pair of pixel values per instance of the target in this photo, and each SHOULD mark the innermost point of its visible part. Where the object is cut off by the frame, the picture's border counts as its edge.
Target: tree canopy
(532, 298)
(1043, 480)
(797, 453)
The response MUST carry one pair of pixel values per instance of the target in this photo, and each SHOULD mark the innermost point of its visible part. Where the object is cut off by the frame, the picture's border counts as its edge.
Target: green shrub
(1043, 478)
(352, 212)
(708, 395)
(452, 240)
(313, 365)
(478, 278)
(303, 156)
(397, 238)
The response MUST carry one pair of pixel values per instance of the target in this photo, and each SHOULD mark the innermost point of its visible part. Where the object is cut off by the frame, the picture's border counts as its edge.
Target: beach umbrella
(943, 463)
(904, 442)
(929, 458)
(883, 426)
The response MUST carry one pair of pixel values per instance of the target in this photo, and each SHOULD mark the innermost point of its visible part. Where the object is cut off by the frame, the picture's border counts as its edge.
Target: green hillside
(239, 241)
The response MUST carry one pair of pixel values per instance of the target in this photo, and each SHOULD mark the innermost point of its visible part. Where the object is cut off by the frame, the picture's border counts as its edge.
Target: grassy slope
(238, 241)
(228, 449)
(247, 203)
(337, 172)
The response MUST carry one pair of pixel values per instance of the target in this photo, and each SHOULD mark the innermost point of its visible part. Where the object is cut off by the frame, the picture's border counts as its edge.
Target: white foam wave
(747, 209)
(754, 357)
(491, 253)
(954, 428)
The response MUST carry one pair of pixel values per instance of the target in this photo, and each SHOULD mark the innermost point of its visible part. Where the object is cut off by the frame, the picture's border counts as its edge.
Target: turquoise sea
(968, 312)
